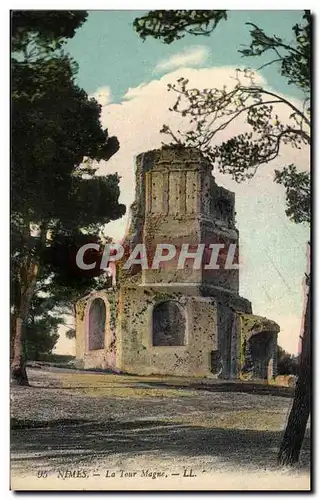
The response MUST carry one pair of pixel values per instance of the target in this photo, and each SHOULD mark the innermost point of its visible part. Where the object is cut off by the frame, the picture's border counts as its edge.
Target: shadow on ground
(78, 442)
(217, 386)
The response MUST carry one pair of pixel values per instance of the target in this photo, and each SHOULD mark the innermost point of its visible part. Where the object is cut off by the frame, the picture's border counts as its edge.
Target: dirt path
(90, 424)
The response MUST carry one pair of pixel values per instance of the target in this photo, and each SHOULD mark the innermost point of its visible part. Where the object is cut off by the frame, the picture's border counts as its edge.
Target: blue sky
(129, 78)
(110, 52)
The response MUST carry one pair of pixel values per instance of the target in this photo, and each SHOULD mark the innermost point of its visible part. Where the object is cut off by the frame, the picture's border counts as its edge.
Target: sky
(129, 78)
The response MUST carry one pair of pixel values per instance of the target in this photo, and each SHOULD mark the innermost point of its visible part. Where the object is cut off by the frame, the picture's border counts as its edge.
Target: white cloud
(272, 248)
(103, 95)
(194, 56)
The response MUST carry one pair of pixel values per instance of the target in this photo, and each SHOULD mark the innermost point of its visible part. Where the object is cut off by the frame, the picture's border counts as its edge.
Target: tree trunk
(296, 427)
(18, 368)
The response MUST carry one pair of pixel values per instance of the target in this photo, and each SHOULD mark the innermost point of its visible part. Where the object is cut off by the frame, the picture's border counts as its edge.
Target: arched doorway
(260, 347)
(96, 324)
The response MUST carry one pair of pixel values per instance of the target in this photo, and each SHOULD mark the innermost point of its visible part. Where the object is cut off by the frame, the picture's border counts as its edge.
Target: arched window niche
(168, 324)
(96, 324)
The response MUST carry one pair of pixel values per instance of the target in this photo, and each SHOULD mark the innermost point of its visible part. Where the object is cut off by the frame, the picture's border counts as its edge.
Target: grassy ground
(121, 386)
(102, 421)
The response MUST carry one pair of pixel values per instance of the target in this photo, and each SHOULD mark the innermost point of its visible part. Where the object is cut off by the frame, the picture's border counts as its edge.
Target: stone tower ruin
(178, 321)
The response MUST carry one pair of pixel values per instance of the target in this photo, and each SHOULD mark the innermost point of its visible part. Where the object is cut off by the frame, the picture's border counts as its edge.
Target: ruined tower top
(178, 202)
(178, 182)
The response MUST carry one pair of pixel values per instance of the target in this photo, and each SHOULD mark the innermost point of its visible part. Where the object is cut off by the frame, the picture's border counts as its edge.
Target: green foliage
(41, 331)
(56, 131)
(40, 338)
(171, 25)
(59, 360)
(297, 186)
(57, 198)
(68, 280)
(54, 128)
(294, 58)
(65, 283)
(46, 28)
(211, 111)
(287, 364)
(71, 333)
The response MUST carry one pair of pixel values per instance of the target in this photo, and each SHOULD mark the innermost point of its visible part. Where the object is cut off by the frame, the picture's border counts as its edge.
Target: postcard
(160, 250)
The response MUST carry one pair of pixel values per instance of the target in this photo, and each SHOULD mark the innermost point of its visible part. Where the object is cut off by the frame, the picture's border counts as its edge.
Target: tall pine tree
(56, 131)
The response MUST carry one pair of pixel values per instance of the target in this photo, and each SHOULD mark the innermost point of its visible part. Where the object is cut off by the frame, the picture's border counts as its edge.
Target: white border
(4, 185)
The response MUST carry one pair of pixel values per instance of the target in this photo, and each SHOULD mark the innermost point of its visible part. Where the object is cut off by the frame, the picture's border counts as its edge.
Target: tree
(56, 135)
(40, 334)
(286, 363)
(211, 111)
(46, 28)
(41, 330)
(298, 418)
(71, 333)
(171, 25)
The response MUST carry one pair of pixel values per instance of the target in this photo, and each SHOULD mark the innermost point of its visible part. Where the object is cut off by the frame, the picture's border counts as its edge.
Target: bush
(287, 363)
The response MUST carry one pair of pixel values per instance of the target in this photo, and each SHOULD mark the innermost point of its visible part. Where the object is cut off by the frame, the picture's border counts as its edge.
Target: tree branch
(225, 124)
(277, 42)
(282, 99)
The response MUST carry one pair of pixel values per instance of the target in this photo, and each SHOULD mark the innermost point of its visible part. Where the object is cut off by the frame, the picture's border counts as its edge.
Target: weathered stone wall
(97, 358)
(178, 202)
(227, 340)
(222, 277)
(258, 347)
(172, 208)
(138, 355)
